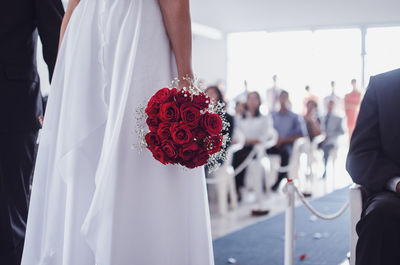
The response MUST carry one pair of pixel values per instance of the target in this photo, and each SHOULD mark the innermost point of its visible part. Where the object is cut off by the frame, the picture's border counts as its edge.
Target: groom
(21, 21)
(374, 162)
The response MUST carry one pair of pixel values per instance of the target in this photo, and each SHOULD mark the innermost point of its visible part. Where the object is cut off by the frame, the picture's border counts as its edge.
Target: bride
(94, 199)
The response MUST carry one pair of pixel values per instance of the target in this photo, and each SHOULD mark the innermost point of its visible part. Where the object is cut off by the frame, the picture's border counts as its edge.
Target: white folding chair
(224, 177)
(313, 156)
(259, 167)
(355, 198)
(300, 146)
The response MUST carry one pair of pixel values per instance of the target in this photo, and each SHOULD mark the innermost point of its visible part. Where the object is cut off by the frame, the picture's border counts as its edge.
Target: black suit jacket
(374, 155)
(20, 23)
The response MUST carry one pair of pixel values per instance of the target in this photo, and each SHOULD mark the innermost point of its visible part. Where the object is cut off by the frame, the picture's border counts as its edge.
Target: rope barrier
(249, 159)
(318, 214)
(291, 190)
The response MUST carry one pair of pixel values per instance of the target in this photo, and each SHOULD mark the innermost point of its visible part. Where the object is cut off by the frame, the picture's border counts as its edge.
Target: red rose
(199, 133)
(202, 101)
(152, 139)
(188, 151)
(158, 154)
(183, 97)
(212, 123)
(199, 159)
(213, 144)
(164, 130)
(170, 149)
(164, 95)
(153, 122)
(202, 158)
(169, 112)
(181, 133)
(153, 107)
(174, 92)
(190, 114)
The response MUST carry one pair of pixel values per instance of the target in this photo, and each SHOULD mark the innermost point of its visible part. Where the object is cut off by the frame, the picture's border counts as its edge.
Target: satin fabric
(95, 200)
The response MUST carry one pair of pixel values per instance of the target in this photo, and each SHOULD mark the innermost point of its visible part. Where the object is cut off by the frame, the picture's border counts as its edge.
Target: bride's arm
(176, 15)
(68, 13)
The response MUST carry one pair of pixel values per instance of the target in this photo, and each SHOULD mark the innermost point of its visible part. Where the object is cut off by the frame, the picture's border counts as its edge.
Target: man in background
(332, 126)
(308, 97)
(333, 96)
(273, 95)
(21, 21)
(290, 127)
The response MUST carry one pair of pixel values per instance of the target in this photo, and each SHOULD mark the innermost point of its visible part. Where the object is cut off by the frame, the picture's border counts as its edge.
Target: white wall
(209, 59)
(209, 56)
(252, 15)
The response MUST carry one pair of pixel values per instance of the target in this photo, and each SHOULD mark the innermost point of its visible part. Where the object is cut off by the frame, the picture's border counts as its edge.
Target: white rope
(318, 214)
(246, 162)
(249, 159)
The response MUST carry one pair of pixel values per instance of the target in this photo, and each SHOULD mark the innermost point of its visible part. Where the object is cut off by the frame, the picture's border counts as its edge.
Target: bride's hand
(185, 80)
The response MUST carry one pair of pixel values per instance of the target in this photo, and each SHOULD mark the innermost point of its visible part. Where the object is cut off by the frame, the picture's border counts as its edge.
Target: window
(299, 58)
(383, 50)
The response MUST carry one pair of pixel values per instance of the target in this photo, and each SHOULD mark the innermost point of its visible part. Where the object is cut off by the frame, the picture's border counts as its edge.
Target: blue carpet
(263, 243)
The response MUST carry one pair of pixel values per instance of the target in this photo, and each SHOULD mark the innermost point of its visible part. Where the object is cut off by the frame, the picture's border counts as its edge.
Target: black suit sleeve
(48, 17)
(366, 162)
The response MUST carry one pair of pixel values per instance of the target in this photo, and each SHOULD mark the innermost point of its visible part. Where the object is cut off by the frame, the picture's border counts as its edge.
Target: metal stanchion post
(289, 224)
(291, 190)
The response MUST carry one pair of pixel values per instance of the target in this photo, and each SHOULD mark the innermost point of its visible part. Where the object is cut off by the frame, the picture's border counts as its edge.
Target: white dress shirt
(259, 127)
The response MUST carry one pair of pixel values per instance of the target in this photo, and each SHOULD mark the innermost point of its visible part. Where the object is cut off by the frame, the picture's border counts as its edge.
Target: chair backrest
(239, 141)
(300, 146)
(259, 151)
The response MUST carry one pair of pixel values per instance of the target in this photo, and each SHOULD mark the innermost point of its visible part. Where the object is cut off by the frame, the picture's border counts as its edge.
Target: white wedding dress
(94, 199)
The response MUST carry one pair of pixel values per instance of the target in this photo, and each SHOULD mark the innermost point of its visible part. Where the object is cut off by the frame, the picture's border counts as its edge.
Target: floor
(320, 242)
(241, 217)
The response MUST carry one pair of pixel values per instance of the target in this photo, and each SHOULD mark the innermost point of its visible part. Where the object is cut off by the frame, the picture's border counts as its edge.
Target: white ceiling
(252, 15)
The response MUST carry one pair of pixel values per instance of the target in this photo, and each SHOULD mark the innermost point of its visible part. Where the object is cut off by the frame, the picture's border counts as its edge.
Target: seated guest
(240, 109)
(307, 97)
(334, 97)
(311, 119)
(290, 127)
(332, 126)
(374, 162)
(256, 129)
(313, 123)
(215, 95)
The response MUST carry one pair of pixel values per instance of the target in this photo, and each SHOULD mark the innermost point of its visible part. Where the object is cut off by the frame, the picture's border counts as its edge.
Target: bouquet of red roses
(184, 127)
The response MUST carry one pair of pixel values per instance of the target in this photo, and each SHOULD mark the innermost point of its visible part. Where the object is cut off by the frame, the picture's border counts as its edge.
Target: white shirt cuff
(392, 183)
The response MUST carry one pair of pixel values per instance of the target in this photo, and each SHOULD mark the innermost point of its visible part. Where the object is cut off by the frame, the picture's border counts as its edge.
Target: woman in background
(352, 102)
(312, 120)
(256, 128)
(215, 94)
